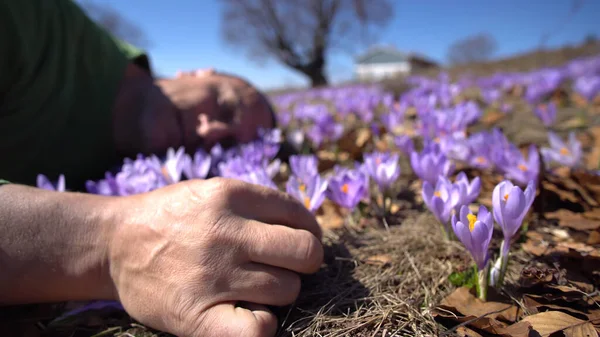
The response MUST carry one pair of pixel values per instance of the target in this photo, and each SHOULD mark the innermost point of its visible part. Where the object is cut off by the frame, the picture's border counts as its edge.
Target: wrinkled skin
(205, 258)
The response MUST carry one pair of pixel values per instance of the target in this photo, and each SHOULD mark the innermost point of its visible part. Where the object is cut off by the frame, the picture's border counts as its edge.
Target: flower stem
(482, 282)
(503, 262)
(445, 233)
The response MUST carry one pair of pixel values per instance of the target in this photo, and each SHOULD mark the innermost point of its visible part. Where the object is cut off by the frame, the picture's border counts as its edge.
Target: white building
(383, 62)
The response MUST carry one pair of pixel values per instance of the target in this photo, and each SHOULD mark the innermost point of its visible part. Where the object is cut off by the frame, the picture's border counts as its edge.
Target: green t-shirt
(59, 75)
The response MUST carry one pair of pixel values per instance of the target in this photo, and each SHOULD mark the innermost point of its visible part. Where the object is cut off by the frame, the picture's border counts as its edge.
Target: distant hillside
(526, 62)
(518, 63)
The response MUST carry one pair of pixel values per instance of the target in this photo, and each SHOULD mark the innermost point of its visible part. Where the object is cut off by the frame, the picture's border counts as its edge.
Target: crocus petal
(497, 203)
(437, 208)
(464, 211)
(61, 185)
(555, 141)
(515, 203)
(463, 234)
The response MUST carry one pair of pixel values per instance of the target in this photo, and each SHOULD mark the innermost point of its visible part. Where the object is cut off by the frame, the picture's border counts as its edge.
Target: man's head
(210, 108)
(220, 108)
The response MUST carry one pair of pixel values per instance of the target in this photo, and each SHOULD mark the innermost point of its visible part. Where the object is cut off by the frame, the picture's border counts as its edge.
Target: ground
(400, 277)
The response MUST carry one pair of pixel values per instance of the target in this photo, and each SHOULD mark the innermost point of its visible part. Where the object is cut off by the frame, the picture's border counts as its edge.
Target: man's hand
(187, 255)
(198, 258)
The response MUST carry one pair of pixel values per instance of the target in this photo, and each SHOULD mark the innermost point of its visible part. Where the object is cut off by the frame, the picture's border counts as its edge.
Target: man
(198, 258)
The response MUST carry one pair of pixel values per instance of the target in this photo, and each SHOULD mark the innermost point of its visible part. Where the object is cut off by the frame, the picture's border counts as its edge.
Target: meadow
(463, 206)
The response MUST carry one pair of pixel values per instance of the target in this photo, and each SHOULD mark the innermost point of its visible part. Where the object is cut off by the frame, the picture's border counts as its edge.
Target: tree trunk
(317, 78)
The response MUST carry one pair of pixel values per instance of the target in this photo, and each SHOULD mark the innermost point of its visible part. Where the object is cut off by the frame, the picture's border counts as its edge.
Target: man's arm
(53, 246)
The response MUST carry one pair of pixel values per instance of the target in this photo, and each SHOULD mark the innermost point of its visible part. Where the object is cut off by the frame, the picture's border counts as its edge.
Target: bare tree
(115, 23)
(476, 48)
(301, 33)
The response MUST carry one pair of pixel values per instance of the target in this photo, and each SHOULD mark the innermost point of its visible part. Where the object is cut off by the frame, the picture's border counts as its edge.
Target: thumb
(227, 320)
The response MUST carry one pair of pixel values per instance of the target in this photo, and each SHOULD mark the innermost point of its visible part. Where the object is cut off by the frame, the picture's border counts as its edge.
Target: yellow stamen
(506, 197)
(437, 139)
(302, 188)
(437, 194)
(345, 188)
(472, 219)
(522, 167)
(564, 151)
(480, 160)
(307, 202)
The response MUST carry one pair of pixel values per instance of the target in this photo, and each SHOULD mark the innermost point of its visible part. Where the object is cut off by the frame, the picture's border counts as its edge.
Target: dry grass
(377, 282)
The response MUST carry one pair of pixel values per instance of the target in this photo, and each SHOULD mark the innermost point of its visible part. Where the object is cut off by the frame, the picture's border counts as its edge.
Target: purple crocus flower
(173, 165)
(107, 186)
(304, 166)
(44, 183)
(310, 192)
(257, 176)
(567, 154)
(475, 232)
(404, 143)
(383, 168)
(284, 118)
(441, 200)
(140, 175)
(587, 86)
(519, 169)
(469, 191)
(325, 129)
(392, 120)
(347, 187)
(198, 167)
(479, 150)
(546, 113)
(431, 163)
(510, 205)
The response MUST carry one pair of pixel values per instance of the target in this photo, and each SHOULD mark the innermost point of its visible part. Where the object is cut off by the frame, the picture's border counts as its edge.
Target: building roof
(380, 55)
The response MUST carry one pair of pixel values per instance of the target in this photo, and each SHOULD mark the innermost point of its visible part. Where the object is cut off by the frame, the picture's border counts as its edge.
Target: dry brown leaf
(380, 259)
(594, 238)
(519, 329)
(355, 141)
(534, 305)
(463, 301)
(565, 195)
(466, 332)
(492, 117)
(327, 160)
(572, 123)
(578, 250)
(593, 158)
(594, 214)
(330, 215)
(546, 323)
(573, 220)
(536, 247)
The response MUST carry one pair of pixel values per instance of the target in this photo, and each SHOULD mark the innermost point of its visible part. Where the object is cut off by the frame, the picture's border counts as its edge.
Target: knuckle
(310, 251)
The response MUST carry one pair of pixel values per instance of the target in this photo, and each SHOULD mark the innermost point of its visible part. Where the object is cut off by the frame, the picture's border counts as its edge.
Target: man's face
(215, 108)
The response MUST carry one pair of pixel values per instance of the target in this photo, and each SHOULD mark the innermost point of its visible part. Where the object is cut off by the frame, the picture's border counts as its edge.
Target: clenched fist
(205, 258)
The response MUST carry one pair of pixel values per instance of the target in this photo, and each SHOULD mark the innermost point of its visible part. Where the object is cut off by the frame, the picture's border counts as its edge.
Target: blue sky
(184, 34)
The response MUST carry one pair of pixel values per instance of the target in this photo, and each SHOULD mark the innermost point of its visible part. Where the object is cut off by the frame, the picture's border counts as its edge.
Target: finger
(268, 285)
(284, 247)
(227, 320)
(271, 206)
